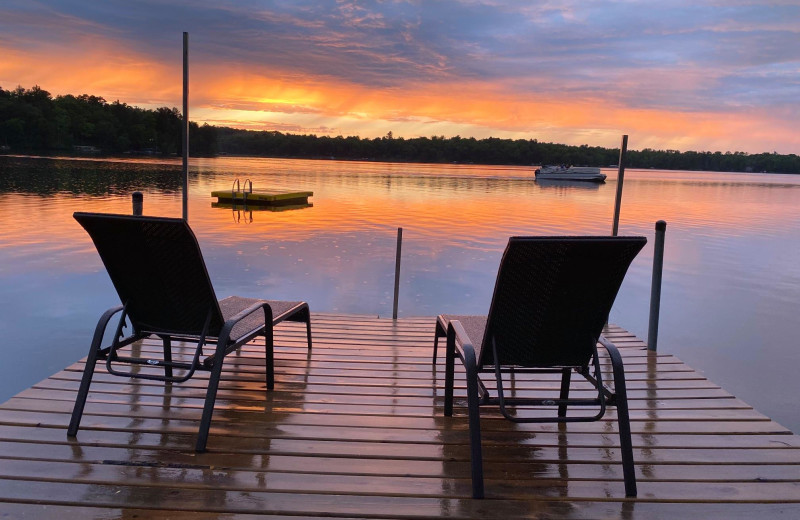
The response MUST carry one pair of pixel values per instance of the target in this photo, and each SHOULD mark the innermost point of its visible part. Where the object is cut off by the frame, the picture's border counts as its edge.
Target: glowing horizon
(501, 70)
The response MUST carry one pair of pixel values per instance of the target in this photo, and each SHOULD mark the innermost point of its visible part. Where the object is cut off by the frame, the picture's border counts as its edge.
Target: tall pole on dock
(397, 272)
(185, 126)
(655, 286)
(623, 149)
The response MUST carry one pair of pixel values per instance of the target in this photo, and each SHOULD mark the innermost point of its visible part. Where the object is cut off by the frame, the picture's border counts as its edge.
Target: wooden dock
(356, 430)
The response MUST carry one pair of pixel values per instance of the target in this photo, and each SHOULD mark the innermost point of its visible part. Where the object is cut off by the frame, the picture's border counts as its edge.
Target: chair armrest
(611, 348)
(620, 392)
(239, 316)
(102, 323)
(223, 346)
(463, 344)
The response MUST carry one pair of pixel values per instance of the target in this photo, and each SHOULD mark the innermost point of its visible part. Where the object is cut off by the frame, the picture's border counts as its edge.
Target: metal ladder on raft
(237, 189)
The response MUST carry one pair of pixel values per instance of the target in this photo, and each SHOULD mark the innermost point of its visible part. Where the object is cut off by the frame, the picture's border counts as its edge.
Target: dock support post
(137, 199)
(397, 272)
(185, 126)
(623, 150)
(655, 288)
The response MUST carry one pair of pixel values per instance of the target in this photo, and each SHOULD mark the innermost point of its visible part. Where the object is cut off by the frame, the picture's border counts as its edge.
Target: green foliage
(714, 161)
(33, 121)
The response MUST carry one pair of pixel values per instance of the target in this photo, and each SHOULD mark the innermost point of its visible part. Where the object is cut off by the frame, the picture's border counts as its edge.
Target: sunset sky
(685, 75)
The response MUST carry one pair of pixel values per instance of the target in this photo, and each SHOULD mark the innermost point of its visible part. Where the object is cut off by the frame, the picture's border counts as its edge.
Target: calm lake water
(731, 293)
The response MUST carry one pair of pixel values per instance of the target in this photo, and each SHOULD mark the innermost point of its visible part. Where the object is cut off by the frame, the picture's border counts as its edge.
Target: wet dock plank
(356, 430)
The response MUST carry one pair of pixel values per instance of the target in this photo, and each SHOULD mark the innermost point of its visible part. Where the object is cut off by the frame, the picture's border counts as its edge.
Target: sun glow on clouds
(685, 76)
(98, 68)
(477, 109)
(325, 106)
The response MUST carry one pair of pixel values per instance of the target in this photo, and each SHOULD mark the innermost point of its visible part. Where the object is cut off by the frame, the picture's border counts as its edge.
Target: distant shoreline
(176, 161)
(89, 125)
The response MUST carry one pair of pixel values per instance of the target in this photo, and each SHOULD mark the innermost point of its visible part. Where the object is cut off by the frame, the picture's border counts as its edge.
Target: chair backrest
(158, 270)
(552, 298)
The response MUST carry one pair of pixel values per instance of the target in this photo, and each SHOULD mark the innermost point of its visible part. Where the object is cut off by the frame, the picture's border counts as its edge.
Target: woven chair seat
(475, 327)
(232, 305)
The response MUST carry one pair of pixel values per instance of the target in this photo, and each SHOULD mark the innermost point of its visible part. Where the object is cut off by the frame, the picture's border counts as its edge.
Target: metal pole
(397, 271)
(623, 149)
(655, 288)
(137, 198)
(185, 126)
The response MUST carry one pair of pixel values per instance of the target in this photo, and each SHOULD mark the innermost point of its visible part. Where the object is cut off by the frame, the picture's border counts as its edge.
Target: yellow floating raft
(263, 198)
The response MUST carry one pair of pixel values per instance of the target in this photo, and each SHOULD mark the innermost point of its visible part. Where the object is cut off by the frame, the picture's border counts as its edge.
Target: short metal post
(655, 289)
(137, 198)
(623, 149)
(397, 271)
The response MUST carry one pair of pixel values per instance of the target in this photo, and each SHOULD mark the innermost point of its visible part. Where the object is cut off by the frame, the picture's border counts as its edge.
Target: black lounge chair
(158, 271)
(551, 300)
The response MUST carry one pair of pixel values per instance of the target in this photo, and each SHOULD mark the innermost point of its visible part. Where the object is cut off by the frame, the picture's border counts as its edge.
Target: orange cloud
(476, 109)
(258, 98)
(94, 66)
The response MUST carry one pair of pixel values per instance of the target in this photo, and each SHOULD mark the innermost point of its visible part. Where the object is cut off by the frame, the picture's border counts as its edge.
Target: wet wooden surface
(356, 430)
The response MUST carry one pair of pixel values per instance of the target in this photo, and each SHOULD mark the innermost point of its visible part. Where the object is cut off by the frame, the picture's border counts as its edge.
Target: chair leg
(83, 390)
(269, 353)
(308, 327)
(88, 371)
(211, 397)
(476, 452)
(623, 420)
(439, 333)
(449, 371)
(167, 355)
(303, 316)
(467, 356)
(566, 375)
(626, 445)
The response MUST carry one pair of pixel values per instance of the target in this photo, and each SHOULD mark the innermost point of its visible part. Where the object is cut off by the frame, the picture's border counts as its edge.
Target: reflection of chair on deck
(551, 299)
(158, 271)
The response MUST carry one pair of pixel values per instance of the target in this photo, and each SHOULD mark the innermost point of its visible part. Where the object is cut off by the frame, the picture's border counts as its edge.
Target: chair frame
(212, 363)
(460, 345)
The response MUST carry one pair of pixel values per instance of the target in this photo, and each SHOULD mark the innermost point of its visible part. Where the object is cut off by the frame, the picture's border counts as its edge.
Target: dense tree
(31, 120)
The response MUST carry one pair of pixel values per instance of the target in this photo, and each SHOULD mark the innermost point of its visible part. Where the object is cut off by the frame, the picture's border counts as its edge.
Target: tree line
(33, 121)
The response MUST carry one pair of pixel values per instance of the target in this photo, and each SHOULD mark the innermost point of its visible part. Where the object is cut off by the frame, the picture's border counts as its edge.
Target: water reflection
(244, 213)
(49, 177)
(567, 185)
(731, 275)
(248, 421)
